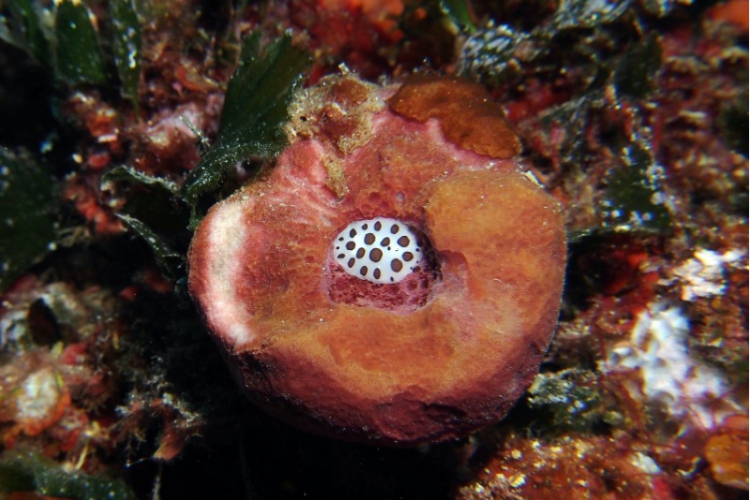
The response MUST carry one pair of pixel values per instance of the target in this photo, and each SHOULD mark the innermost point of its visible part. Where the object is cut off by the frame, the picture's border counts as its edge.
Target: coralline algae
(443, 352)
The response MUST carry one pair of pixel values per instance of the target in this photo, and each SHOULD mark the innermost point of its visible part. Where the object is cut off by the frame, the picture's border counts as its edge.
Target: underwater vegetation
(558, 190)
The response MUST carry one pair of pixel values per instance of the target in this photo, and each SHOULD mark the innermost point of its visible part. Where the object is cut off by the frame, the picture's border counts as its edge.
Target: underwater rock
(316, 338)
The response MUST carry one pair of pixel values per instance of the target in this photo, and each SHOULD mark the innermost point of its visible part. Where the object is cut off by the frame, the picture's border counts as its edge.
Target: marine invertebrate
(447, 347)
(380, 250)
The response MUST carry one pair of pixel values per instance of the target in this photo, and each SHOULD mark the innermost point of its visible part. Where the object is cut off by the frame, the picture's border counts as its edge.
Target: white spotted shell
(379, 250)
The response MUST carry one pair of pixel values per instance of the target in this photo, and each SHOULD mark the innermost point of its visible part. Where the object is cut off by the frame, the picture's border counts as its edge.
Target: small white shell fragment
(379, 250)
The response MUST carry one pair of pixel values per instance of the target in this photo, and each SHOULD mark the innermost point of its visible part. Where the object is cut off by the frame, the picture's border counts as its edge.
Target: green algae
(127, 47)
(70, 48)
(31, 472)
(636, 70)
(459, 11)
(569, 398)
(24, 29)
(254, 113)
(27, 207)
(168, 261)
(78, 57)
(632, 200)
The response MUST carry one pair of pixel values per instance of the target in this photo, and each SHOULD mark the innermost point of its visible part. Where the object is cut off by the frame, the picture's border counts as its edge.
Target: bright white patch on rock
(38, 395)
(378, 250)
(688, 388)
(703, 275)
(13, 326)
(645, 463)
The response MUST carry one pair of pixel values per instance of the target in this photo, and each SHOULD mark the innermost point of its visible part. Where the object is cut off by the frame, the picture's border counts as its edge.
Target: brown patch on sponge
(467, 115)
(337, 110)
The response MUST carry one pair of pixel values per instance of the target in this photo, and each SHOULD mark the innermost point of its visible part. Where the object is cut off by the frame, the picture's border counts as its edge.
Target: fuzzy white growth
(379, 250)
(38, 395)
(703, 275)
(687, 387)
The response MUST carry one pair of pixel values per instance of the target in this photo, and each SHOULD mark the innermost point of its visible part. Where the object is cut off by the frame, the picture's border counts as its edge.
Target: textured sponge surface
(335, 323)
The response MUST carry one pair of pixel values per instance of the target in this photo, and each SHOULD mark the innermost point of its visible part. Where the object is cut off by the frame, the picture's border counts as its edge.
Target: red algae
(569, 467)
(397, 370)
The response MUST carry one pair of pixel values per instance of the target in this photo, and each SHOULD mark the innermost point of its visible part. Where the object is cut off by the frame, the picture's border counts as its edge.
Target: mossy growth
(254, 114)
(570, 399)
(30, 472)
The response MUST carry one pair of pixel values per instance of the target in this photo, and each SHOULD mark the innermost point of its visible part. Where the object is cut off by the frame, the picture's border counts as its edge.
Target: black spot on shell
(352, 233)
(376, 254)
(376, 274)
(386, 241)
(351, 245)
(360, 253)
(394, 229)
(396, 265)
(369, 238)
(378, 226)
(404, 241)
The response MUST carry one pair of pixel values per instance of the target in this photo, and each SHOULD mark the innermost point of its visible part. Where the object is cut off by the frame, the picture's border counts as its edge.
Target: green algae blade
(77, 53)
(27, 225)
(459, 12)
(254, 114)
(127, 47)
(167, 259)
(152, 200)
(23, 29)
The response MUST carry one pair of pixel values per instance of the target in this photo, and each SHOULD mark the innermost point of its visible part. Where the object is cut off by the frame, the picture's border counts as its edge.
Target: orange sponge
(446, 349)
